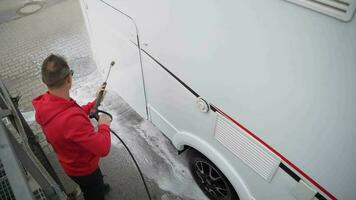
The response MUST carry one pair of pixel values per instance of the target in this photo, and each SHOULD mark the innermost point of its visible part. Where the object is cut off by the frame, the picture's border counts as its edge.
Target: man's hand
(101, 89)
(104, 119)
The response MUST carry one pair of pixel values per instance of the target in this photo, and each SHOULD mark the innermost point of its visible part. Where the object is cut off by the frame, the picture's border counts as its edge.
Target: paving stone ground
(26, 41)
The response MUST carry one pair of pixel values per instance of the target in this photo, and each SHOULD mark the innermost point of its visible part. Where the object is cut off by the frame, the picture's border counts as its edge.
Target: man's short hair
(54, 71)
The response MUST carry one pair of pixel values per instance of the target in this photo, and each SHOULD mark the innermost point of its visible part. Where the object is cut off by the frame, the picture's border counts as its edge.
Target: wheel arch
(184, 140)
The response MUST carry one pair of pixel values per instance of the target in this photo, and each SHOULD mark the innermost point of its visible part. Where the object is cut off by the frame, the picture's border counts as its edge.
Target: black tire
(209, 178)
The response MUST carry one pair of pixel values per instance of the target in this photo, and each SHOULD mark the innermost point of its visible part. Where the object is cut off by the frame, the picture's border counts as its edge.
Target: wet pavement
(165, 171)
(58, 27)
(15, 9)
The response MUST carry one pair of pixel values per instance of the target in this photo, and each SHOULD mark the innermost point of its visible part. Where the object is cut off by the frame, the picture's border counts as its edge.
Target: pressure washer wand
(94, 111)
(94, 114)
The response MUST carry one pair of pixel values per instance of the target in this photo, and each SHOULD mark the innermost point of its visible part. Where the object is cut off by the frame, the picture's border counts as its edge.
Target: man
(68, 129)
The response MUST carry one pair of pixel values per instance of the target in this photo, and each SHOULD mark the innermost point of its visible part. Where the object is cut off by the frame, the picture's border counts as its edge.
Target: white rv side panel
(285, 72)
(111, 34)
(181, 120)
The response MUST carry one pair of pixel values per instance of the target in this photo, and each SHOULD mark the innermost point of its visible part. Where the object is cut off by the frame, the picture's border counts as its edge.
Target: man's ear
(69, 79)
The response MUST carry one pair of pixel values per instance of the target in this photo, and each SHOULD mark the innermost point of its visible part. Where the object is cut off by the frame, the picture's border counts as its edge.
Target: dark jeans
(91, 185)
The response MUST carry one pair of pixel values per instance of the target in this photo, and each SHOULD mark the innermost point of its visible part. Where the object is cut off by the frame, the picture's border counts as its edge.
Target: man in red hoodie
(68, 129)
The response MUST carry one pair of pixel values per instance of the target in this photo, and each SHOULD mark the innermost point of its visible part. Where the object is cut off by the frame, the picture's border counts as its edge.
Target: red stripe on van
(278, 154)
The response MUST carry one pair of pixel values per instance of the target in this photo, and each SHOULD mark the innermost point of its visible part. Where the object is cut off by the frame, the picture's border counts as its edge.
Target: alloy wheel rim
(211, 180)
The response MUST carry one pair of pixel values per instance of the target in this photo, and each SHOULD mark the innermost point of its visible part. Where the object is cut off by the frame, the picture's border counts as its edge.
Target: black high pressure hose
(94, 113)
(127, 148)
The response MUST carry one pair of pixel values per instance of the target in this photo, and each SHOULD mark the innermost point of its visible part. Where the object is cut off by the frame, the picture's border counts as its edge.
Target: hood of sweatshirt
(48, 106)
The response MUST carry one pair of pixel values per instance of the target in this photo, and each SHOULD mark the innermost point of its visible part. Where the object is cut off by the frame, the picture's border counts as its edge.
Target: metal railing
(22, 157)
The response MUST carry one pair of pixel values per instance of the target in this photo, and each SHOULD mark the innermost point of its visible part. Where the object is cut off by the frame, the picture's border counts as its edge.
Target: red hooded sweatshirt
(68, 129)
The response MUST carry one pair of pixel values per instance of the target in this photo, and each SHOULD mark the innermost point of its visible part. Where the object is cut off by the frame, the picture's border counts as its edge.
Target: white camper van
(261, 93)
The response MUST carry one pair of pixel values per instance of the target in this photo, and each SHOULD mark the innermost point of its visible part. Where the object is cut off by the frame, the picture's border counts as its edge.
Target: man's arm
(88, 106)
(82, 132)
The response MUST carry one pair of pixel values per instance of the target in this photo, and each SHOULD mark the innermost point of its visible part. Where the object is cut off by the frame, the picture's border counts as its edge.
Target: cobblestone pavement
(59, 29)
(26, 41)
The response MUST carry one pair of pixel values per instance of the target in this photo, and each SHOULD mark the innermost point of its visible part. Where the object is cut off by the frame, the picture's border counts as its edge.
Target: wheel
(210, 179)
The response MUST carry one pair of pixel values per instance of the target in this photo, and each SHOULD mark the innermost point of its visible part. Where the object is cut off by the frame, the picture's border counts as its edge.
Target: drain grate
(30, 8)
(2, 170)
(5, 188)
(39, 194)
(6, 192)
